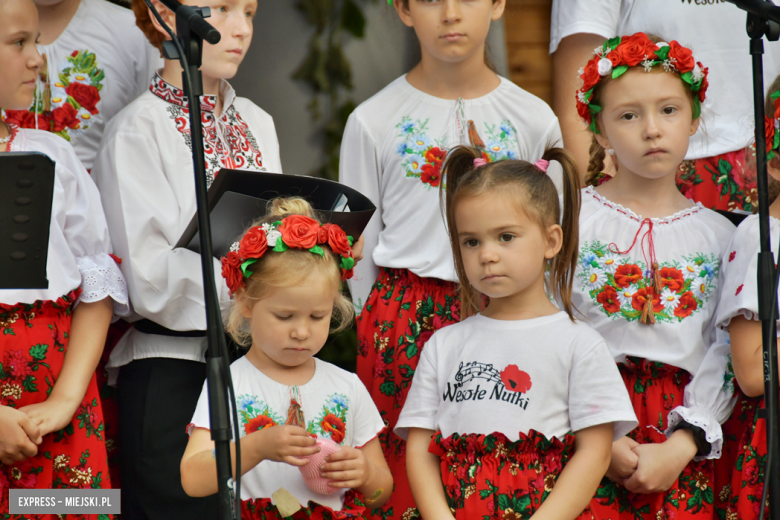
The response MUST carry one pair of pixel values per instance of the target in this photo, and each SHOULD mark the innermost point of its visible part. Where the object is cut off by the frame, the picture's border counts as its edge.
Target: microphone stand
(760, 13)
(187, 46)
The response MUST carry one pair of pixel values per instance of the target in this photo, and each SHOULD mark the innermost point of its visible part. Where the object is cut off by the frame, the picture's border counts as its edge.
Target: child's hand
(660, 464)
(357, 249)
(18, 436)
(284, 443)
(346, 468)
(624, 461)
(50, 415)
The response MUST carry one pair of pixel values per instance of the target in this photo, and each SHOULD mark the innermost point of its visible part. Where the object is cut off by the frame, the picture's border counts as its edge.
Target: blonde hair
(535, 193)
(286, 270)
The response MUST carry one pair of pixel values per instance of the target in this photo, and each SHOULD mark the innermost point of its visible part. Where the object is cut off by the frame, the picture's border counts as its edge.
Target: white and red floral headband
(619, 53)
(293, 232)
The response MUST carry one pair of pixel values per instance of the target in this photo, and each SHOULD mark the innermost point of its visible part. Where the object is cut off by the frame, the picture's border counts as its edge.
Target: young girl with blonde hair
(285, 277)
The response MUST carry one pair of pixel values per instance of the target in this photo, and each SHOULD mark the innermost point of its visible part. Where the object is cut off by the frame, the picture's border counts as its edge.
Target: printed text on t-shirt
(511, 385)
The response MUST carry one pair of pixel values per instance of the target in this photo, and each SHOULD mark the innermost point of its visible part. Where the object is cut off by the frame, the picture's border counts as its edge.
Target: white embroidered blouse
(145, 176)
(392, 152)
(95, 68)
(610, 289)
(79, 244)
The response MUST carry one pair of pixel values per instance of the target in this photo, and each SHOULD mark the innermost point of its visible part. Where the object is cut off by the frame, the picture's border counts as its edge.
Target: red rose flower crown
(619, 53)
(772, 127)
(293, 232)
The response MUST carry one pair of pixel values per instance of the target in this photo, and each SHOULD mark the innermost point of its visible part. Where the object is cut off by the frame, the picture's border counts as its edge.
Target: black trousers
(157, 398)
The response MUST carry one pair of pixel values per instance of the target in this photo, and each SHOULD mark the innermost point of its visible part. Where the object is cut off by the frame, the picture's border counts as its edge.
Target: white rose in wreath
(272, 236)
(605, 66)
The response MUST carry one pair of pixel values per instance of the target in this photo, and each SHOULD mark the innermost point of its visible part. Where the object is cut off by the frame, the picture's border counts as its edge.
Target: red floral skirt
(402, 312)
(726, 181)
(492, 478)
(655, 389)
(34, 340)
(747, 479)
(263, 508)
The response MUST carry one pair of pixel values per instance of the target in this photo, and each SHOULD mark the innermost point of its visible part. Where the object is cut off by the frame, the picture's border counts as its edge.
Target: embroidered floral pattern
(254, 414)
(69, 106)
(423, 157)
(621, 287)
(227, 140)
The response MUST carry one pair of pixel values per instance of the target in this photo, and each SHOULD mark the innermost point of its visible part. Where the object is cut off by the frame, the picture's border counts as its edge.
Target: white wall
(278, 47)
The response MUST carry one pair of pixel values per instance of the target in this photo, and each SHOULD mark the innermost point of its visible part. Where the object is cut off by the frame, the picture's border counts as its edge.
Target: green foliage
(328, 73)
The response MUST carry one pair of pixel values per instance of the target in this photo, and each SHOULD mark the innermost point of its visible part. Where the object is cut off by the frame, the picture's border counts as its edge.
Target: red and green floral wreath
(772, 127)
(618, 54)
(293, 232)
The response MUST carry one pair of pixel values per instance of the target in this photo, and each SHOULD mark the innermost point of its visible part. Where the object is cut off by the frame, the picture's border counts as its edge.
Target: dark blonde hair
(535, 193)
(596, 151)
(285, 270)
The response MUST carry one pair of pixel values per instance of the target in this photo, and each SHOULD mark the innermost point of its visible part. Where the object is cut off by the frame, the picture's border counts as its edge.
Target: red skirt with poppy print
(33, 347)
(402, 312)
(747, 479)
(726, 181)
(263, 508)
(655, 389)
(492, 478)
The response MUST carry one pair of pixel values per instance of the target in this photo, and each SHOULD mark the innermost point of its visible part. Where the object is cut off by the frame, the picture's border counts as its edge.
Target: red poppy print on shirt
(515, 380)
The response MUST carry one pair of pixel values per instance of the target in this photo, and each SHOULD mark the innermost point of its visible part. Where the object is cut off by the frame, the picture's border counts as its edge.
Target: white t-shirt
(609, 286)
(713, 30)
(547, 374)
(97, 66)
(389, 149)
(79, 245)
(145, 176)
(739, 282)
(333, 396)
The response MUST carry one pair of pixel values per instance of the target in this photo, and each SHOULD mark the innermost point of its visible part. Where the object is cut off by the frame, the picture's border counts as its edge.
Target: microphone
(194, 20)
(762, 8)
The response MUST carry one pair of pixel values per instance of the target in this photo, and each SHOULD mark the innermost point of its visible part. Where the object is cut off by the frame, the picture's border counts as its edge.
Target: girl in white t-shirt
(647, 279)
(285, 276)
(496, 397)
(738, 315)
(52, 429)
(393, 148)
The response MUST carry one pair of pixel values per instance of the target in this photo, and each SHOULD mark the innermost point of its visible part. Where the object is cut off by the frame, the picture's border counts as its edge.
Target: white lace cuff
(101, 277)
(704, 420)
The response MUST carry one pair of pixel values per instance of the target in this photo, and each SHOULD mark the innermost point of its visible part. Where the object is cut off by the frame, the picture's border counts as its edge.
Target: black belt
(150, 327)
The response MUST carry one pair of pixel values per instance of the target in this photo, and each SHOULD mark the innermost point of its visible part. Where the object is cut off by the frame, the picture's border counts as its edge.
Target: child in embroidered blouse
(393, 148)
(504, 389)
(647, 277)
(285, 276)
(50, 415)
(738, 314)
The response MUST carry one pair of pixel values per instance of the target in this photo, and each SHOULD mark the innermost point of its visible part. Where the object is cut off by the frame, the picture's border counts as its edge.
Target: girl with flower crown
(647, 279)
(52, 433)
(295, 411)
(512, 411)
(738, 315)
(393, 149)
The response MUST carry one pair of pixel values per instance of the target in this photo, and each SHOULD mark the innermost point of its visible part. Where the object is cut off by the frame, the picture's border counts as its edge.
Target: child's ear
(168, 17)
(244, 303)
(403, 13)
(554, 241)
(773, 167)
(695, 125)
(498, 9)
(603, 141)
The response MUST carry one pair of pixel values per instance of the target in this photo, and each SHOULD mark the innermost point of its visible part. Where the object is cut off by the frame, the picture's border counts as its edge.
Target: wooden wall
(527, 25)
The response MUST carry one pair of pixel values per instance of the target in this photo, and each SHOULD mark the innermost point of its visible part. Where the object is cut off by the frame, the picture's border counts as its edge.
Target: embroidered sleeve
(101, 278)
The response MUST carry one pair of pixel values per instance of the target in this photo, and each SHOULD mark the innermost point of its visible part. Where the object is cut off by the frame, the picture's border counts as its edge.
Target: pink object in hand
(311, 471)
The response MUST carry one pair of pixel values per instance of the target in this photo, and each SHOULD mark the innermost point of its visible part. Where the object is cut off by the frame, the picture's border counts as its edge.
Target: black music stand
(238, 197)
(26, 194)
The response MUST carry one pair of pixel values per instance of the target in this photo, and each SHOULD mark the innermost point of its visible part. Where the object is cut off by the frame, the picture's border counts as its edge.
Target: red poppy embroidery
(258, 423)
(686, 305)
(609, 299)
(335, 427)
